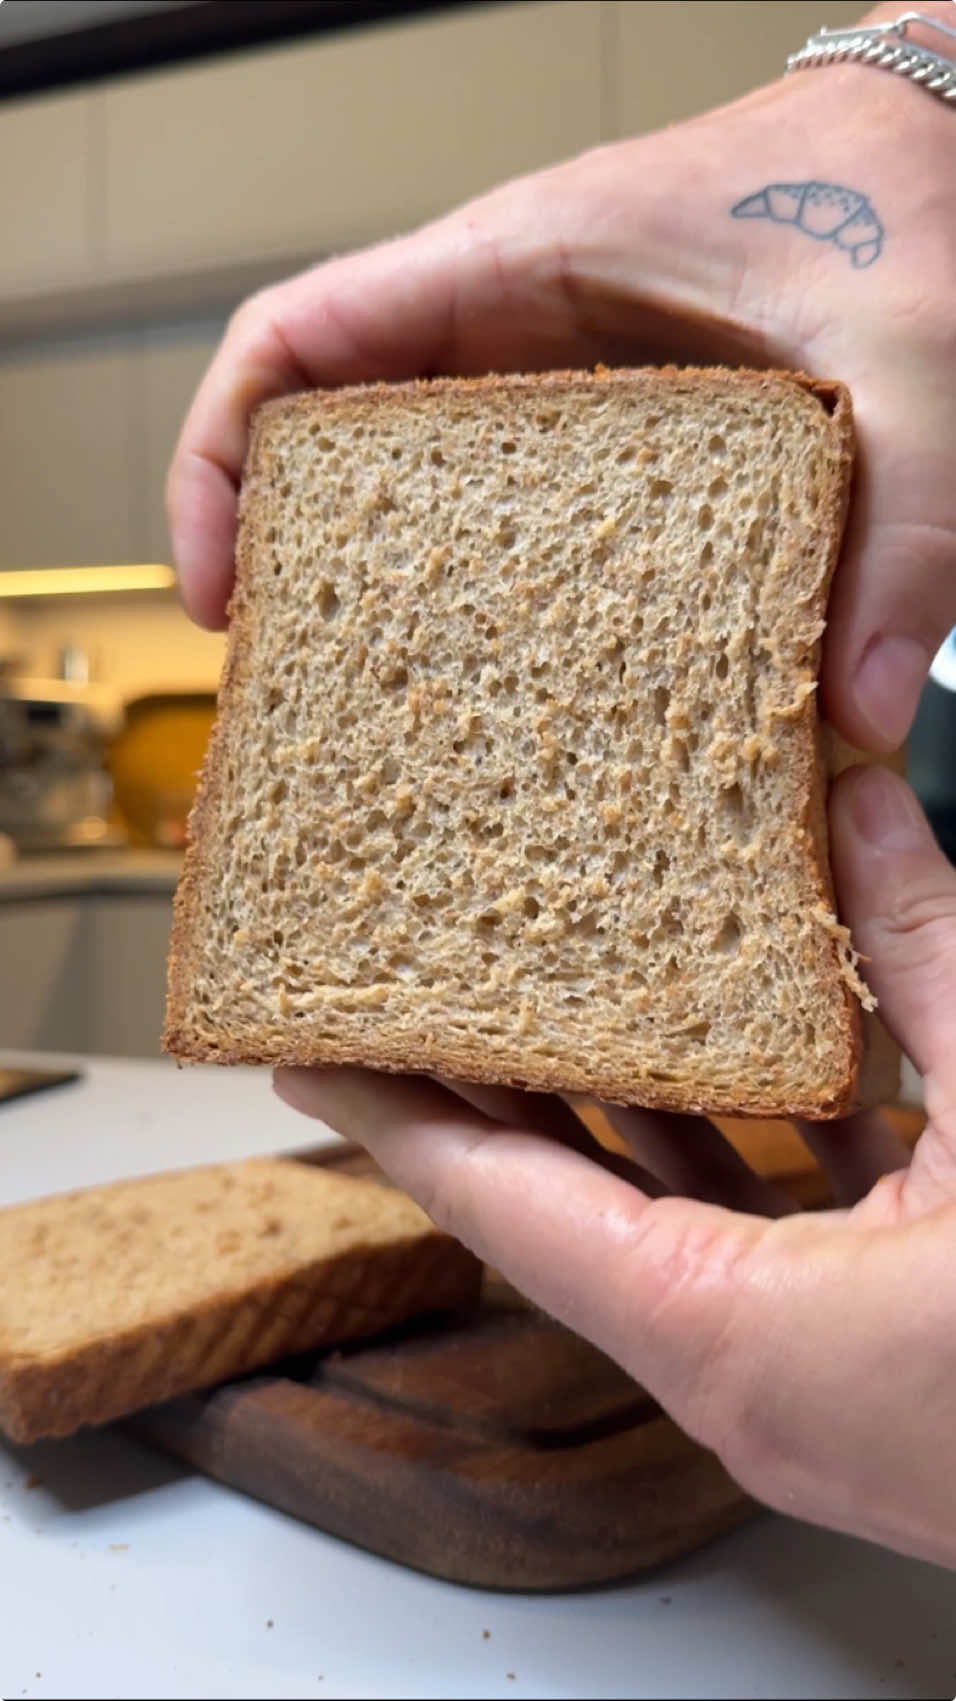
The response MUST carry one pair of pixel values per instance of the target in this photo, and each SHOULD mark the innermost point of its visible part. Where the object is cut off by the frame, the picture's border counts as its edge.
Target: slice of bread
(517, 774)
(117, 1297)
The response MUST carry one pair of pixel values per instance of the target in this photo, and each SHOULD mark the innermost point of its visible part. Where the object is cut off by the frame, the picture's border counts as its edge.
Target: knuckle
(446, 1193)
(698, 1318)
(173, 482)
(719, 1350)
(926, 912)
(438, 1196)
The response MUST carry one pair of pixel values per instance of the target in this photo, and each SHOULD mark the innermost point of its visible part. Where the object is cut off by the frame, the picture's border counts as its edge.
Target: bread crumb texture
(516, 772)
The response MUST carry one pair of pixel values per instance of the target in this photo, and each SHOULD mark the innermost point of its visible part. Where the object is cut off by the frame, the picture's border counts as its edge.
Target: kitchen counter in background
(123, 1574)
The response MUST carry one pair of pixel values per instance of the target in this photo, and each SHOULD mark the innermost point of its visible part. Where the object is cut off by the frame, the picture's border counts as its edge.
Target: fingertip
(201, 504)
(886, 688)
(897, 895)
(298, 1088)
(869, 803)
(875, 731)
(865, 802)
(205, 605)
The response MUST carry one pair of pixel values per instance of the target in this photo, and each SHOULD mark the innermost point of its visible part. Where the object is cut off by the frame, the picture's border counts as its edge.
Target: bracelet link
(885, 46)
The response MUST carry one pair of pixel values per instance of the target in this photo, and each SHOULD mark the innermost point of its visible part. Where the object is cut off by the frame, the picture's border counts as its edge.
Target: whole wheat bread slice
(517, 775)
(116, 1297)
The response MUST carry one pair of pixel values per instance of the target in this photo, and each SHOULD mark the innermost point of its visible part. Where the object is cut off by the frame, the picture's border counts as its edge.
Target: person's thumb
(894, 595)
(897, 894)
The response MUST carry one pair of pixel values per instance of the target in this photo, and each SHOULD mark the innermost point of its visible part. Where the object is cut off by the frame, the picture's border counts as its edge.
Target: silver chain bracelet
(885, 46)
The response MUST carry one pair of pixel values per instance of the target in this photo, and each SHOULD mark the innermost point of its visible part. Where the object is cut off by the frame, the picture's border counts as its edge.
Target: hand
(631, 254)
(816, 1354)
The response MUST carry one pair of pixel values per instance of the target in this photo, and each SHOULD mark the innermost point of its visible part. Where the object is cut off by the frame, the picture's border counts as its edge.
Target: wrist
(939, 11)
(905, 45)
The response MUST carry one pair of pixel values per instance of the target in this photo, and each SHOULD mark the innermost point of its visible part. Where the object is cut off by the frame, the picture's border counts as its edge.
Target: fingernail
(884, 811)
(887, 685)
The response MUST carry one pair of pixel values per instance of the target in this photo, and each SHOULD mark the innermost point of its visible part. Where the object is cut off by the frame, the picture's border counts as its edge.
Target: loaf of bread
(117, 1297)
(517, 775)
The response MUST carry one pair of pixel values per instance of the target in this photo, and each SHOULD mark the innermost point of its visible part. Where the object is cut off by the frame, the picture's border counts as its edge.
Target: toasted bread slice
(116, 1297)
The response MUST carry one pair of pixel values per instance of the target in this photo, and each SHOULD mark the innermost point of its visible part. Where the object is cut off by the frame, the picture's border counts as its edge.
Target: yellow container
(155, 762)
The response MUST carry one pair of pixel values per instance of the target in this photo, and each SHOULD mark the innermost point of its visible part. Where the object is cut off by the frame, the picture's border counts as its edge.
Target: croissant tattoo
(825, 211)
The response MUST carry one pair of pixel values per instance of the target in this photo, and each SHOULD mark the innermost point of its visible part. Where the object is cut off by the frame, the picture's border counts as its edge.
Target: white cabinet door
(349, 138)
(670, 59)
(44, 957)
(49, 211)
(71, 469)
(175, 359)
(84, 973)
(129, 940)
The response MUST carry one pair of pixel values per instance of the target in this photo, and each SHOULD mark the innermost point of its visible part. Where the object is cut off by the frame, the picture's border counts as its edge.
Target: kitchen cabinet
(149, 185)
(70, 452)
(346, 139)
(49, 181)
(44, 951)
(84, 973)
(198, 176)
(126, 970)
(174, 360)
(668, 62)
(87, 427)
(171, 180)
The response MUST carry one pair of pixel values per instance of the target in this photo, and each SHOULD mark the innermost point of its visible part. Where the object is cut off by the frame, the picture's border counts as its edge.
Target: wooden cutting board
(495, 1448)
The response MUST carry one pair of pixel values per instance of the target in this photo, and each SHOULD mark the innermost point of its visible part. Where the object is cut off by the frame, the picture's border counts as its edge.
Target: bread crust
(341, 1280)
(444, 1054)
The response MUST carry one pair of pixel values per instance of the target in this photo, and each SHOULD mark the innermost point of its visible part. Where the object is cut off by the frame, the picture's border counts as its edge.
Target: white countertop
(74, 873)
(124, 1574)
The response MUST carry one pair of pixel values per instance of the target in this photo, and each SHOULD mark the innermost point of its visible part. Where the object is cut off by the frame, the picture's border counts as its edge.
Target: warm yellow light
(82, 581)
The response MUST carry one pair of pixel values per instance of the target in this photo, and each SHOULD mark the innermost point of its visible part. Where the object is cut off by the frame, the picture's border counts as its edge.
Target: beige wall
(672, 59)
